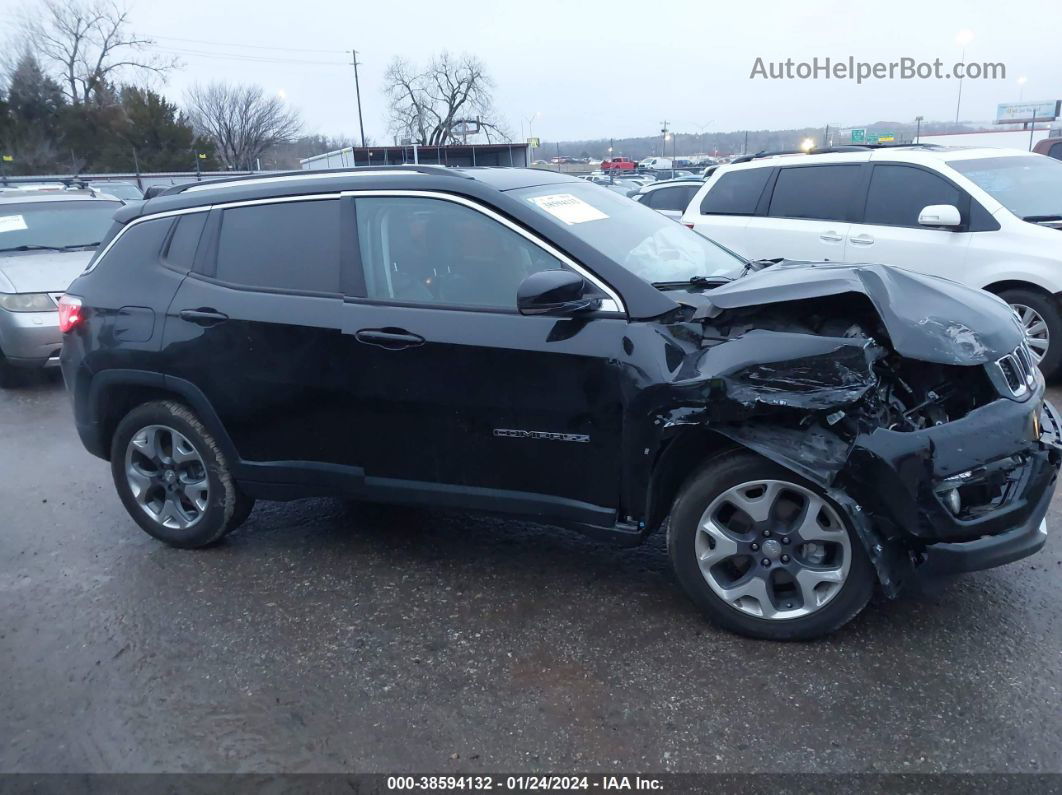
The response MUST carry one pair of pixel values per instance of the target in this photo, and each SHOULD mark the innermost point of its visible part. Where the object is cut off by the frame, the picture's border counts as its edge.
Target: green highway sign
(859, 136)
(872, 138)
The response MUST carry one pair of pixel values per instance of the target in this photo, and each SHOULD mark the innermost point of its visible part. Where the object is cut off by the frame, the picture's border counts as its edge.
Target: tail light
(688, 226)
(69, 313)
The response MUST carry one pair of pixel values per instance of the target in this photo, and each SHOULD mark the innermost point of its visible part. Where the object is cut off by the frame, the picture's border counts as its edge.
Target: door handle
(861, 240)
(203, 316)
(393, 339)
(830, 237)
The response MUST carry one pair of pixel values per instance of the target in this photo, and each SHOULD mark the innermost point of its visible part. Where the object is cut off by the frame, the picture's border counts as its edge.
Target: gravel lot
(330, 636)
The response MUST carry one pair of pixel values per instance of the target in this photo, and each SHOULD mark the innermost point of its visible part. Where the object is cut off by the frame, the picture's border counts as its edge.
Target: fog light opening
(952, 500)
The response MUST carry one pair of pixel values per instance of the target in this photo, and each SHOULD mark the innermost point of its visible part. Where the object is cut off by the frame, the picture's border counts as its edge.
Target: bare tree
(241, 120)
(427, 104)
(89, 42)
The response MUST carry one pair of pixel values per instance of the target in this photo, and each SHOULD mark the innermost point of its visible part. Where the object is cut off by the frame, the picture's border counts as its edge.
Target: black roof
(296, 183)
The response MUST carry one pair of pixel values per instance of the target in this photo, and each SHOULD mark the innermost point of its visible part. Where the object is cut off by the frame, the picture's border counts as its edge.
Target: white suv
(990, 218)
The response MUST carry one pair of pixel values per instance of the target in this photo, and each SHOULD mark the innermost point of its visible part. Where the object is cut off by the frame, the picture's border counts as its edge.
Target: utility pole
(357, 93)
(136, 167)
(663, 139)
(826, 137)
(918, 128)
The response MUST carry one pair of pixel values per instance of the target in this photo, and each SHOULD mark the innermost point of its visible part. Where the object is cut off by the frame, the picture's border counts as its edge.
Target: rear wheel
(173, 478)
(1040, 318)
(764, 553)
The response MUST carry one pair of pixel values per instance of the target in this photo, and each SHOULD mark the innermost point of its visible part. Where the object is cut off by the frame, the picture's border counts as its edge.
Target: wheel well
(678, 460)
(119, 399)
(998, 287)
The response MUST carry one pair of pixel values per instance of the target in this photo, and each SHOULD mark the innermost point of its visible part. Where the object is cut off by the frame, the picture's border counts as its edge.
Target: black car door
(458, 393)
(256, 328)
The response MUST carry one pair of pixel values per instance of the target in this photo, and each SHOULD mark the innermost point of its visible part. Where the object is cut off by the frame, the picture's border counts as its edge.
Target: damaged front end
(912, 402)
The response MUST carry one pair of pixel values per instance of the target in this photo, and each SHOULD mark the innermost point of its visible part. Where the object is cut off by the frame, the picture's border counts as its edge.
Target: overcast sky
(600, 69)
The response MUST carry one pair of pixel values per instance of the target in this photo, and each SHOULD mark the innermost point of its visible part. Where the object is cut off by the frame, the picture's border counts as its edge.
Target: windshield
(62, 224)
(1030, 186)
(640, 239)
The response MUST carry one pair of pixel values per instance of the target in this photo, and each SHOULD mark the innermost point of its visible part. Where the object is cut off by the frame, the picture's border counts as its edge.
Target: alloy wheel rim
(1037, 334)
(167, 477)
(773, 549)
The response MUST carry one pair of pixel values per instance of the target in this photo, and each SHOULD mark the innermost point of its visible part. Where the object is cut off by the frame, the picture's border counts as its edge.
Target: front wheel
(764, 553)
(1040, 318)
(173, 478)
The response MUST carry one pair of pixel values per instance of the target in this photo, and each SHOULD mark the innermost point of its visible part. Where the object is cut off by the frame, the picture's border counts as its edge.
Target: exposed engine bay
(917, 410)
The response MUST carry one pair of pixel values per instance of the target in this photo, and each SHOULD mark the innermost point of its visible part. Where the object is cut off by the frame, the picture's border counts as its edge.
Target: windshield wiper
(32, 247)
(40, 247)
(694, 281)
(1037, 219)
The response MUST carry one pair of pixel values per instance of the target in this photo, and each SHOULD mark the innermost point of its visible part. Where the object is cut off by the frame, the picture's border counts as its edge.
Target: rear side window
(180, 251)
(676, 198)
(1055, 151)
(736, 193)
(139, 245)
(899, 193)
(285, 246)
(815, 192)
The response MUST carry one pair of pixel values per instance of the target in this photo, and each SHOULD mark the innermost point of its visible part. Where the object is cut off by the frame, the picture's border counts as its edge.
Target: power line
(244, 57)
(248, 46)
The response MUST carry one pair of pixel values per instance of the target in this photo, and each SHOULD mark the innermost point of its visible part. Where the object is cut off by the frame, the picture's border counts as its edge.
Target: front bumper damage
(911, 401)
(1003, 458)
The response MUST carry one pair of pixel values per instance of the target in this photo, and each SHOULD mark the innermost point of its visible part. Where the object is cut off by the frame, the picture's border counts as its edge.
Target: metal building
(504, 154)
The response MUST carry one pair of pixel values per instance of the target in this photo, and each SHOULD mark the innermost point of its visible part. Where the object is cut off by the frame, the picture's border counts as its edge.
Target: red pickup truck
(618, 164)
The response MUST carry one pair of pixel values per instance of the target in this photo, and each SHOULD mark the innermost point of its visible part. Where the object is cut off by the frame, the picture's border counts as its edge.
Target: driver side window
(433, 251)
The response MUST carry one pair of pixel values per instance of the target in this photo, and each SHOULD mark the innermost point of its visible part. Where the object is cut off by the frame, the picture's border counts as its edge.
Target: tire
(1047, 308)
(173, 508)
(830, 605)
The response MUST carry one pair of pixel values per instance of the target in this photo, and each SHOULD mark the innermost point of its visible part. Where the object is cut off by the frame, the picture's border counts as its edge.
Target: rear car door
(256, 328)
(808, 214)
(457, 392)
(889, 232)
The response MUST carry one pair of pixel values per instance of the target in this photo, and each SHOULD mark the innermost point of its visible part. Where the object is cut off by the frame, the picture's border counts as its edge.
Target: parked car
(989, 218)
(126, 191)
(655, 164)
(1052, 147)
(617, 164)
(669, 198)
(46, 239)
(674, 173)
(575, 358)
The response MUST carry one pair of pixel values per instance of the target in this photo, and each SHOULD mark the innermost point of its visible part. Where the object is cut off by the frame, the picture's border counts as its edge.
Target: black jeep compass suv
(525, 342)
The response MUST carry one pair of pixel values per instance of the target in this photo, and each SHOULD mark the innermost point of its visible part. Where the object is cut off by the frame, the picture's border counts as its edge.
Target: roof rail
(826, 150)
(69, 182)
(441, 171)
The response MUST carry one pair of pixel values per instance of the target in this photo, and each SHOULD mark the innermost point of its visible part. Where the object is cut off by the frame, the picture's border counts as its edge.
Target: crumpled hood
(41, 271)
(927, 318)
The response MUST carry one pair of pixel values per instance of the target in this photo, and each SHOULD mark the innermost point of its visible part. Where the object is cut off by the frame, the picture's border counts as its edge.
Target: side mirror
(940, 215)
(557, 292)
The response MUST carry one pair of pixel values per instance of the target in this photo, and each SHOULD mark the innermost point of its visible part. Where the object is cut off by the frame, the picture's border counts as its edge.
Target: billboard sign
(1018, 112)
